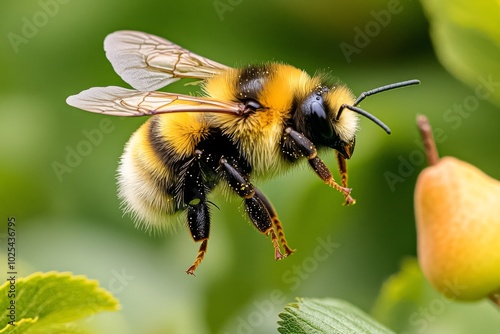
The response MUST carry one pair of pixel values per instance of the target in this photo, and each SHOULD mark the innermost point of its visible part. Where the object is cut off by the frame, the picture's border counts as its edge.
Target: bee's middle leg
(257, 207)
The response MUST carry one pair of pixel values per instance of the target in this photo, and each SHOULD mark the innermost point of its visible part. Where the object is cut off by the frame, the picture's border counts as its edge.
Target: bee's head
(322, 120)
(329, 116)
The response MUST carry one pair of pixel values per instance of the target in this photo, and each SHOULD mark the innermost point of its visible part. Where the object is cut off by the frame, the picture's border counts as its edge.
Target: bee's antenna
(367, 115)
(364, 95)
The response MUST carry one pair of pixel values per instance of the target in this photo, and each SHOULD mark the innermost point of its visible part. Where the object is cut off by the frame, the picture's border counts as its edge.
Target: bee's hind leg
(198, 214)
(199, 226)
(199, 258)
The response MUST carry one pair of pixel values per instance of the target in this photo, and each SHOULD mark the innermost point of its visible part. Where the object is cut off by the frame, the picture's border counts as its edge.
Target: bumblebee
(252, 122)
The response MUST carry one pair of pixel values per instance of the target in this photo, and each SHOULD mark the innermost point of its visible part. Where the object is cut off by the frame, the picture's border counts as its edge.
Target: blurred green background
(71, 220)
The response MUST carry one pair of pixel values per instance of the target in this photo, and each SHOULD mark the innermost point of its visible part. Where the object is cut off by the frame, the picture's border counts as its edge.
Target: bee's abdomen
(148, 175)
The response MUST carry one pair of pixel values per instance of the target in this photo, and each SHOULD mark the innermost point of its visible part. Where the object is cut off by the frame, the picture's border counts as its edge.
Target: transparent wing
(149, 62)
(118, 101)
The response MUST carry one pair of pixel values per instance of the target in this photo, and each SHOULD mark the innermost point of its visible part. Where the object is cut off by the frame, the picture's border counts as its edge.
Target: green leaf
(401, 295)
(47, 302)
(409, 304)
(326, 316)
(466, 38)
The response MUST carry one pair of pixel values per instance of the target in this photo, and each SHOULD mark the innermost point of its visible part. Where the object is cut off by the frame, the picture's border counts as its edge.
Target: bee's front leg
(306, 147)
(343, 173)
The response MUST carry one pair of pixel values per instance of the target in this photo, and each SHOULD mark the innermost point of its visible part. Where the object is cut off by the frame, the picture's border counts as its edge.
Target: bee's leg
(201, 253)
(342, 168)
(343, 173)
(198, 215)
(199, 225)
(307, 148)
(257, 207)
(275, 220)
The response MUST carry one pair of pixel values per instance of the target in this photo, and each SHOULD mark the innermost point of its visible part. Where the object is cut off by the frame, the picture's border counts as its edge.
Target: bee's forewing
(149, 62)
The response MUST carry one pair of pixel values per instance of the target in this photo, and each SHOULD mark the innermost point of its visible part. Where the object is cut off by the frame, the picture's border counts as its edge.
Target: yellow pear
(457, 209)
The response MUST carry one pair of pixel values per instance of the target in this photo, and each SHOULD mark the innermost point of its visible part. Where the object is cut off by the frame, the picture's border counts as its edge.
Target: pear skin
(457, 209)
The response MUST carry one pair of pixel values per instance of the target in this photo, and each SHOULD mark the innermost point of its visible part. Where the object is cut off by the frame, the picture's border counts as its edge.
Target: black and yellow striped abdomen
(149, 170)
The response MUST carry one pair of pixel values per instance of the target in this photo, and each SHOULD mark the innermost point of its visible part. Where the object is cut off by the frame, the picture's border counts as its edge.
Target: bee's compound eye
(320, 120)
(316, 116)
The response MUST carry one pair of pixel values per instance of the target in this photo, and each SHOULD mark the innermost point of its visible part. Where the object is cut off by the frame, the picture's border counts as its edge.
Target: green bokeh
(73, 222)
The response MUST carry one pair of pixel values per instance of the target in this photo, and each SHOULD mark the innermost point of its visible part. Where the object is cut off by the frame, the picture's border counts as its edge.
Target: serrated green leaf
(466, 38)
(327, 316)
(46, 302)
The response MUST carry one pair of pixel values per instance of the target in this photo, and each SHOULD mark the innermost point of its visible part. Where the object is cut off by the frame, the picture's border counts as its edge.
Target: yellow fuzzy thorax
(258, 136)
